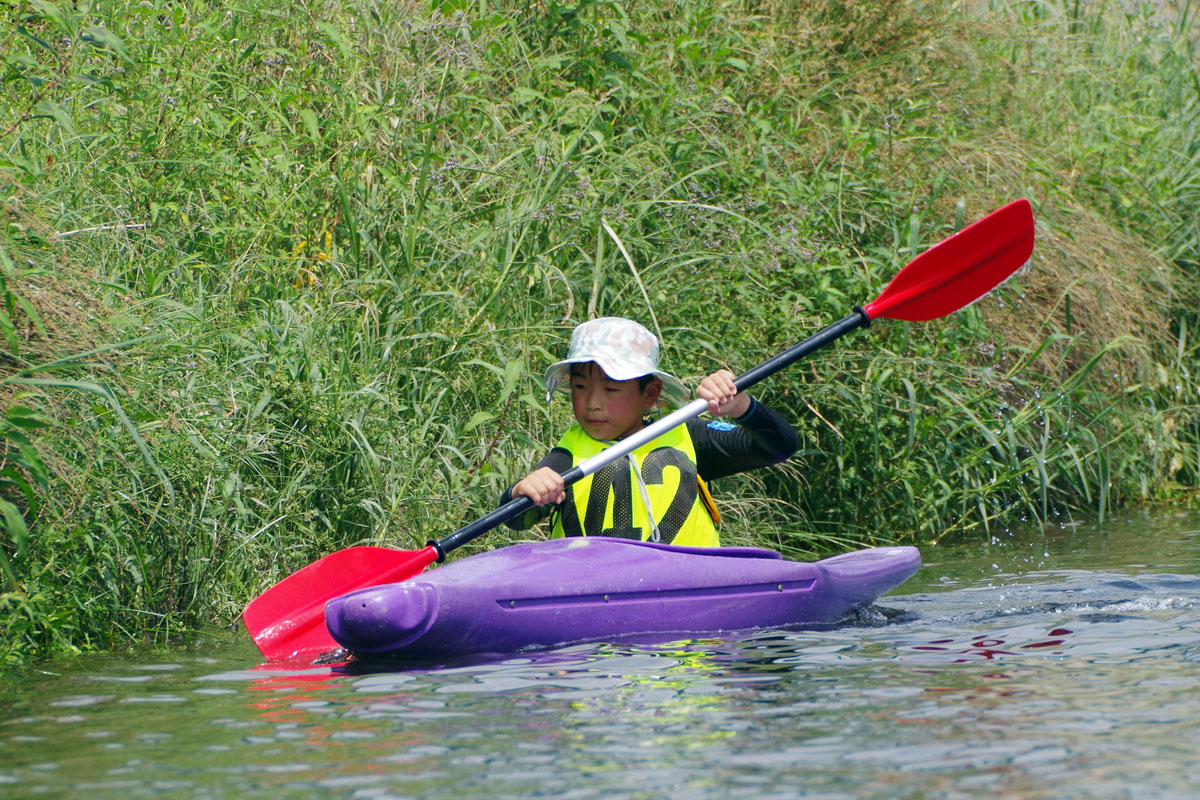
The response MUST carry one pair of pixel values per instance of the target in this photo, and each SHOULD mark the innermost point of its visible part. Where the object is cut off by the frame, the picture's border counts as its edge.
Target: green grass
(279, 280)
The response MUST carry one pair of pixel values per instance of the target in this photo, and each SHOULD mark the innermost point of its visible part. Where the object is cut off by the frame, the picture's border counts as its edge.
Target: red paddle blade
(958, 271)
(288, 620)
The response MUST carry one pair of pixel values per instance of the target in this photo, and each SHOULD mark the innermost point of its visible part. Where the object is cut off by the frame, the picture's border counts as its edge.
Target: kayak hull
(549, 593)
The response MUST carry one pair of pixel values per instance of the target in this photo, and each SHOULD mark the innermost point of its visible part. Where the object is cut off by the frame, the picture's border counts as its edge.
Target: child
(659, 492)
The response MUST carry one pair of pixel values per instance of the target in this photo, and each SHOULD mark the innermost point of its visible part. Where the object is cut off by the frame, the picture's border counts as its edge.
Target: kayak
(561, 591)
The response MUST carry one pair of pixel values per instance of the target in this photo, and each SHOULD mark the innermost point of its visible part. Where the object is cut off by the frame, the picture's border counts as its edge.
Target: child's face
(609, 409)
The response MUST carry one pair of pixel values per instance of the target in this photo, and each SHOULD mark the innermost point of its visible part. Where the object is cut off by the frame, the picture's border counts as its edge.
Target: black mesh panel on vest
(685, 496)
(614, 479)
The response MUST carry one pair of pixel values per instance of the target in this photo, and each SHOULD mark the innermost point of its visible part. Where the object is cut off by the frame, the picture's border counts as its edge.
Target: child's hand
(724, 400)
(542, 486)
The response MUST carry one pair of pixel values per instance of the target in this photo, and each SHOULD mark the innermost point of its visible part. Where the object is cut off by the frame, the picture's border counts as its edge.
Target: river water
(1055, 665)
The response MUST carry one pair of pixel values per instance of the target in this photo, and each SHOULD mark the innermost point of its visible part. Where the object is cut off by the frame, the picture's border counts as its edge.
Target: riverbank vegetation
(280, 278)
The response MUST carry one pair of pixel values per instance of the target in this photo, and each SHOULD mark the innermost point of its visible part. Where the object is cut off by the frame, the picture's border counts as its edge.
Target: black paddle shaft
(519, 505)
(851, 322)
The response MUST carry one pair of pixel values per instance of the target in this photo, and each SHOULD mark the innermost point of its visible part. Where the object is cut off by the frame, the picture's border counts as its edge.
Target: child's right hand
(542, 486)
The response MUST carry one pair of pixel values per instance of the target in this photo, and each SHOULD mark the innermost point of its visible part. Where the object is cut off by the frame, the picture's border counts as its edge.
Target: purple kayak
(547, 593)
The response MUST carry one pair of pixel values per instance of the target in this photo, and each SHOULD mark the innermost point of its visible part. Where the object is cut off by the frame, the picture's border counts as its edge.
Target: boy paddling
(659, 491)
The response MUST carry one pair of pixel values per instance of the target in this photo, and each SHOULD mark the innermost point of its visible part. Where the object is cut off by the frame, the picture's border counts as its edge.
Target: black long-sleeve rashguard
(758, 438)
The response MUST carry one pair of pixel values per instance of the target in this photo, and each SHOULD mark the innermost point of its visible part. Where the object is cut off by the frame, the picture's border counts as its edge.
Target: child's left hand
(724, 400)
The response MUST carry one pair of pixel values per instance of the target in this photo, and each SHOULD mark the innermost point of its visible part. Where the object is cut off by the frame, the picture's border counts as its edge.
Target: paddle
(288, 620)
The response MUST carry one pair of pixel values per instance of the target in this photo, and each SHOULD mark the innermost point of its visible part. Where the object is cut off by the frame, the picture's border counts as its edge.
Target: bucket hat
(623, 349)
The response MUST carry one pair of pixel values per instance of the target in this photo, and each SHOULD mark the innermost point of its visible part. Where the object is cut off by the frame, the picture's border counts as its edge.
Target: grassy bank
(280, 279)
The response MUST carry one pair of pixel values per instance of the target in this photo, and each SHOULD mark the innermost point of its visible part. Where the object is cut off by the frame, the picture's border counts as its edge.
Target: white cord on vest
(654, 535)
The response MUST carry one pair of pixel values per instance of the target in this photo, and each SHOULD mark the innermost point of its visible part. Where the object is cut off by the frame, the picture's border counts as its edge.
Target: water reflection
(1011, 668)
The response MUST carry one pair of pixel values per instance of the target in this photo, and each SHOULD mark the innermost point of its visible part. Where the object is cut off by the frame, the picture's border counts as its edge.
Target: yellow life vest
(613, 501)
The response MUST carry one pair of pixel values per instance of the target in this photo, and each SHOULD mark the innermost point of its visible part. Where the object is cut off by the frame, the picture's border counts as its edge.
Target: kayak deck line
(610, 598)
(677, 549)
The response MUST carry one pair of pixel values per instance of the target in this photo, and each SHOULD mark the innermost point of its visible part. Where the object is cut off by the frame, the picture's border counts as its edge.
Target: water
(1031, 666)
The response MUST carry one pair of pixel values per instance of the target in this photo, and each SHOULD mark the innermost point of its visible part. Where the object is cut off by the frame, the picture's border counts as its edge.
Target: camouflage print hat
(623, 349)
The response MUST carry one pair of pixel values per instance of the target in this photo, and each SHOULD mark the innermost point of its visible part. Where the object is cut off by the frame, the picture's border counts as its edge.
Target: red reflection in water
(286, 685)
(989, 647)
